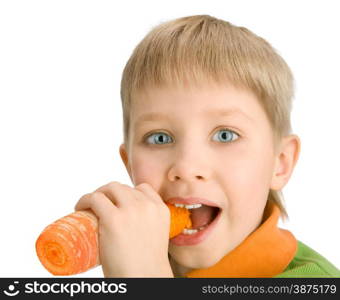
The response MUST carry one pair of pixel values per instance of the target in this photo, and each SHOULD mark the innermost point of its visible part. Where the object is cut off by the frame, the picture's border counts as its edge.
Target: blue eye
(161, 138)
(158, 138)
(226, 136)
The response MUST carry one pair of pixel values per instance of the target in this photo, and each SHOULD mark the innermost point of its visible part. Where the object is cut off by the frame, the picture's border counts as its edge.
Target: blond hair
(200, 49)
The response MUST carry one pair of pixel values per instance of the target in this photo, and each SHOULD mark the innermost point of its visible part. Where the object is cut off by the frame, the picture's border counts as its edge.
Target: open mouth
(204, 219)
(204, 215)
(201, 216)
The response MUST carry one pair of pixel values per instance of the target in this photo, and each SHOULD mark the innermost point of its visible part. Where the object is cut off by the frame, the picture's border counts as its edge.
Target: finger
(119, 194)
(98, 203)
(148, 190)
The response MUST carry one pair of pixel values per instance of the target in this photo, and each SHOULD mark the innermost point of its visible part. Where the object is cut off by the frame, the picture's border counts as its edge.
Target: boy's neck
(178, 270)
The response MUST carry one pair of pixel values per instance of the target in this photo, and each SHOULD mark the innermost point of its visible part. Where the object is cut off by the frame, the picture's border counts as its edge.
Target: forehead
(209, 101)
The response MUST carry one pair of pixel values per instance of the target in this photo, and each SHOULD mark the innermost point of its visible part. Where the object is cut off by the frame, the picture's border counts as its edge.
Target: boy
(206, 109)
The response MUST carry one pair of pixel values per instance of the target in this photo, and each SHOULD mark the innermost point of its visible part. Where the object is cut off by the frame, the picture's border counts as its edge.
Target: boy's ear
(125, 158)
(285, 161)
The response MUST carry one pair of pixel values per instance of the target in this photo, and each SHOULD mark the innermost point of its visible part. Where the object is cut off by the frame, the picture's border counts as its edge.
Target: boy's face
(214, 143)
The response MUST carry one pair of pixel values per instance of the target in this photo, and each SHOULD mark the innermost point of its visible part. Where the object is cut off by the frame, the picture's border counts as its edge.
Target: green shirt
(309, 263)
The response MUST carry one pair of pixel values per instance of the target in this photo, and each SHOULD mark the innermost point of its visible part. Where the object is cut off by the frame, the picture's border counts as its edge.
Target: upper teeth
(189, 206)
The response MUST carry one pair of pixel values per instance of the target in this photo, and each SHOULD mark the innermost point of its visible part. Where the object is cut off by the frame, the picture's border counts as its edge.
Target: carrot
(70, 244)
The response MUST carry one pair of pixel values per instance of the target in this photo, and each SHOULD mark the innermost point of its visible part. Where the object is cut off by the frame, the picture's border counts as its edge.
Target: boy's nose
(190, 171)
(187, 178)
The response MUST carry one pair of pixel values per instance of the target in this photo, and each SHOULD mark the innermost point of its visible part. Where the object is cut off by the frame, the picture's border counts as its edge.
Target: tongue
(202, 216)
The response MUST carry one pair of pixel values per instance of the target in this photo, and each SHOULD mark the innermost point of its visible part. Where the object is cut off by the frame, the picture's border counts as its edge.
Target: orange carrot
(70, 245)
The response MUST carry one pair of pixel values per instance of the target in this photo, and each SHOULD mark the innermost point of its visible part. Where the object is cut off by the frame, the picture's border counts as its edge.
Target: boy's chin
(195, 259)
(206, 253)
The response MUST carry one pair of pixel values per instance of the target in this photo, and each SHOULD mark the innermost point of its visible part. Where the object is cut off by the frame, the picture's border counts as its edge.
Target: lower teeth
(193, 231)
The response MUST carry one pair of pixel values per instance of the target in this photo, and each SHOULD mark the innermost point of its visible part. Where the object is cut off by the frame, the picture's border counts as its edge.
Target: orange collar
(264, 253)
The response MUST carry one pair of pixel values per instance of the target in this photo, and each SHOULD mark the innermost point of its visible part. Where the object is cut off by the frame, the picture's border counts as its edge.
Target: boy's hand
(134, 226)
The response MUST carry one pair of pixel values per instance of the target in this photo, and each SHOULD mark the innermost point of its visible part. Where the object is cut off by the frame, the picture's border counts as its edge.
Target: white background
(60, 113)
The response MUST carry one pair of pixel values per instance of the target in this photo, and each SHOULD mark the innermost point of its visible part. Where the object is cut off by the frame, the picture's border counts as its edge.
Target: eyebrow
(152, 116)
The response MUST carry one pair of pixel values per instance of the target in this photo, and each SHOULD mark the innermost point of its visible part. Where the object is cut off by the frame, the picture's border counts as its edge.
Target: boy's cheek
(143, 170)
(247, 180)
(250, 173)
